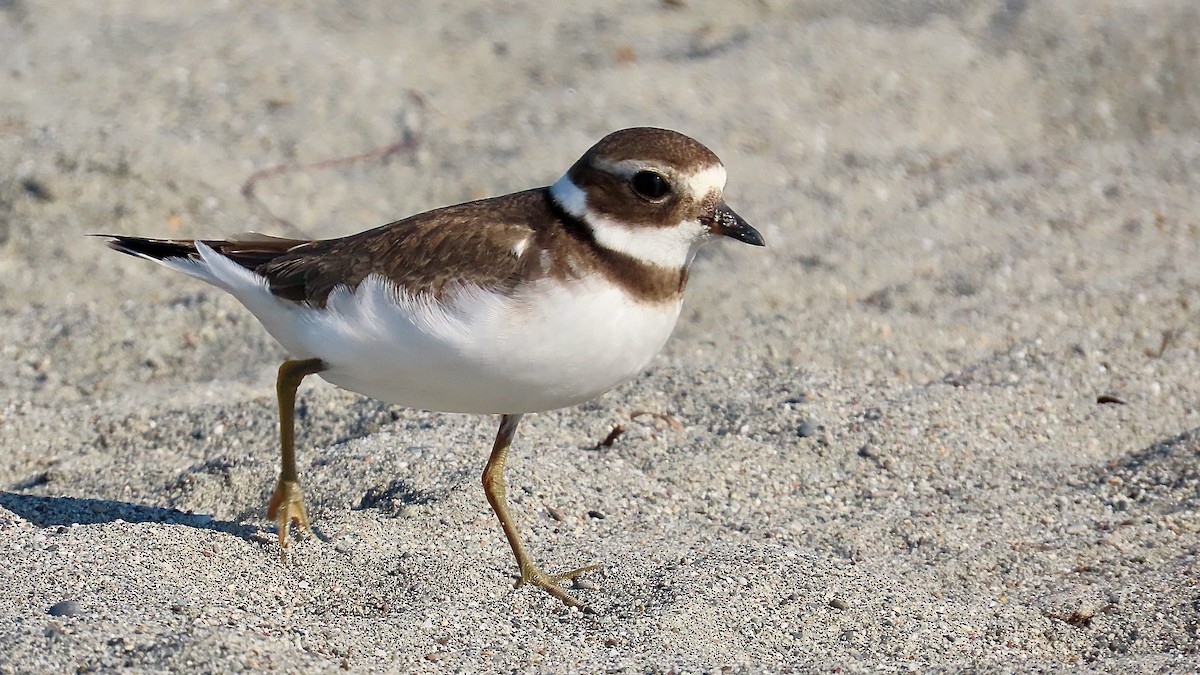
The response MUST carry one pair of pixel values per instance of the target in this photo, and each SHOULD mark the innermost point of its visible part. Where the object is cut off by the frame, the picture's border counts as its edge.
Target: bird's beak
(724, 221)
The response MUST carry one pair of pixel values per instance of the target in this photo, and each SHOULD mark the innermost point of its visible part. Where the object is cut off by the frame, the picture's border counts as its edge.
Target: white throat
(670, 247)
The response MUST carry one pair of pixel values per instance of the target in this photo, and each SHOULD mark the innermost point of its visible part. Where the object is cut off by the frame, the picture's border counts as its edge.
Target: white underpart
(670, 247)
(549, 345)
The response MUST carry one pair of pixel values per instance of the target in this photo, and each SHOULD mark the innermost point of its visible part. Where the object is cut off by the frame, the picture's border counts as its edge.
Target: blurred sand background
(947, 420)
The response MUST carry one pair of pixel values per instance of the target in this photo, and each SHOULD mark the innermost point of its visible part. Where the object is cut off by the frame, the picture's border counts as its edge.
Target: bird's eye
(650, 185)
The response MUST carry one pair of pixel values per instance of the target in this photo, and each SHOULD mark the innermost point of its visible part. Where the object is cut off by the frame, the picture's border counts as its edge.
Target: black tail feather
(250, 250)
(158, 249)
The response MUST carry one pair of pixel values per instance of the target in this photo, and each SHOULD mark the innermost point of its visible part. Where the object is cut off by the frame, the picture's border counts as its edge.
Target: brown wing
(427, 253)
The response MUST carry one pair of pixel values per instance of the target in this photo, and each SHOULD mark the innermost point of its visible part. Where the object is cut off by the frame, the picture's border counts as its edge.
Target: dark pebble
(598, 515)
(37, 189)
(838, 603)
(65, 608)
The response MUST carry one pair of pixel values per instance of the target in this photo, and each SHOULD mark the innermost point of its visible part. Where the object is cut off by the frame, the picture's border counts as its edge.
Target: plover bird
(517, 304)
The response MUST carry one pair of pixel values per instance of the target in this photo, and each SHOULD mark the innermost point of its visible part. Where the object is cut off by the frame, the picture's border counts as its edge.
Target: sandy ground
(947, 420)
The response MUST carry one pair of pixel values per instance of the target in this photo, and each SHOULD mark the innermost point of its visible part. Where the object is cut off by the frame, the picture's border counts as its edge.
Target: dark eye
(650, 185)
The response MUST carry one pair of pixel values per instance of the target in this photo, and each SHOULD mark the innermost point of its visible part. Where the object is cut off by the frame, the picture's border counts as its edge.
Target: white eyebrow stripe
(627, 167)
(705, 181)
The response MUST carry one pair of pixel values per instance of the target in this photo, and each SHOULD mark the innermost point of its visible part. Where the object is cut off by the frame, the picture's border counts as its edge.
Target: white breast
(551, 345)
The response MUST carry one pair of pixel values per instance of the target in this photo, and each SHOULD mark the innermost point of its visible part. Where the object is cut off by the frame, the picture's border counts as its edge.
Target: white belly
(552, 345)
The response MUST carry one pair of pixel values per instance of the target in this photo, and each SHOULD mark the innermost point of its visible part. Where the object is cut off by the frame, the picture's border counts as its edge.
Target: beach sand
(949, 419)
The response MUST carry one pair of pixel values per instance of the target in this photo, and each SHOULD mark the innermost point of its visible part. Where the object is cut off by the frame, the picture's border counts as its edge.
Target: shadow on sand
(67, 511)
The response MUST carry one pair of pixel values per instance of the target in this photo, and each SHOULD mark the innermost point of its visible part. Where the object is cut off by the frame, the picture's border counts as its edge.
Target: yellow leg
(287, 503)
(495, 487)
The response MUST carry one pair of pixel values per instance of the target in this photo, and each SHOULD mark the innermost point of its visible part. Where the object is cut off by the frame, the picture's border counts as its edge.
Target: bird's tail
(194, 257)
(178, 254)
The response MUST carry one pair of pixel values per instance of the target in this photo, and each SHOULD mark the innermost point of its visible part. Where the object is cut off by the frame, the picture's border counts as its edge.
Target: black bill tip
(726, 222)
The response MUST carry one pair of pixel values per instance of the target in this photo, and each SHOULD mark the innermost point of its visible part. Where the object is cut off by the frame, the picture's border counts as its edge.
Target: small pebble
(556, 514)
(838, 603)
(807, 429)
(583, 584)
(65, 608)
(598, 515)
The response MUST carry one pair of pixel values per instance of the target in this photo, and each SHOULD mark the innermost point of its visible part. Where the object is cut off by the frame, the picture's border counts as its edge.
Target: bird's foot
(287, 507)
(549, 582)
